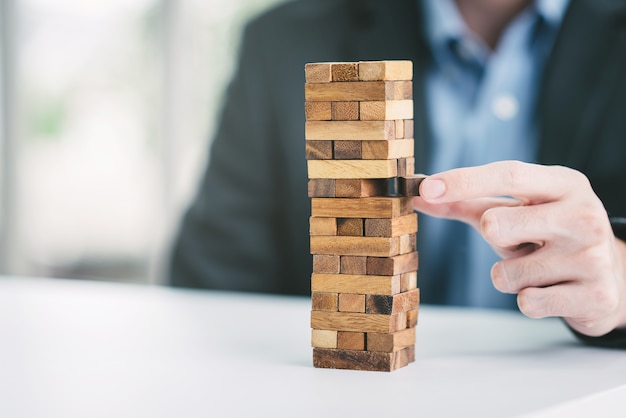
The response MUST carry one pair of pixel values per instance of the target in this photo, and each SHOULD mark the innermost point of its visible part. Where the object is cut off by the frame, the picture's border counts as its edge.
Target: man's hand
(559, 253)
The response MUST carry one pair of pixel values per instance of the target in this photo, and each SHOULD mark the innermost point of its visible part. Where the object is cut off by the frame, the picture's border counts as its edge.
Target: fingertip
(432, 189)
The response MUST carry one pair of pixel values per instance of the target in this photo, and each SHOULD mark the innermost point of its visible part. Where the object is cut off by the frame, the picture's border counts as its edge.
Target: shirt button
(505, 107)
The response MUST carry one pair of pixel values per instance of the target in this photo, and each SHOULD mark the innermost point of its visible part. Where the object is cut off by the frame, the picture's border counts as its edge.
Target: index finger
(529, 183)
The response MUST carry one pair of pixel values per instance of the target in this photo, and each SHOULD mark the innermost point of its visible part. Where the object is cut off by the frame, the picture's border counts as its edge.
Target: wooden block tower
(359, 150)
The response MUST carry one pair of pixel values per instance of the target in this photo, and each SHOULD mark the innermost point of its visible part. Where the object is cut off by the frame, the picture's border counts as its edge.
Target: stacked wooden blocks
(359, 147)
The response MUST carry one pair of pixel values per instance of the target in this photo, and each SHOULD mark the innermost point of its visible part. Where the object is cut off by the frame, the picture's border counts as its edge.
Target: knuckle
(516, 173)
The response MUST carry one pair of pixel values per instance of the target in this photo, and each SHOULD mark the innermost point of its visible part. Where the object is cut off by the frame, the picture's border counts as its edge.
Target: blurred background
(107, 109)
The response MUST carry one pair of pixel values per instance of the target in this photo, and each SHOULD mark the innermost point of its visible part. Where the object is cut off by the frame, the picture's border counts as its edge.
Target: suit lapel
(588, 58)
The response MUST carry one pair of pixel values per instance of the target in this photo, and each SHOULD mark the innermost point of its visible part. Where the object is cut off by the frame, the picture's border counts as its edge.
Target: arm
(560, 255)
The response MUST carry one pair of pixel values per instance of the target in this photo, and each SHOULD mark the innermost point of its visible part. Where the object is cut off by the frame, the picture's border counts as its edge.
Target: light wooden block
(326, 264)
(347, 150)
(385, 70)
(318, 72)
(386, 150)
(345, 71)
(359, 91)
(343, 110)
(363, 246)
(318, 110)
(349, 283)
(400, 130)
(409, 129)
(349, 169)
(386, 110)
(350, 264)
(388, 343)
(408, 243)
(358, 322)
(351, 302)
(361, 188)
(411, 318)
(385, 227)
(319, 150)
(392, 304)
(322, 226)
(408, 281)
(322, 188)
(352, 227)
(360, 130)
(324, 301)
(350, 340)
(324, 338)
(329, 358)
(370, 207)
(406, 167)
(390, 266)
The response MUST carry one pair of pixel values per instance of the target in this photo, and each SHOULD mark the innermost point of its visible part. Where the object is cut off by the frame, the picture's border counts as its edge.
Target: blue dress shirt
(480, 106)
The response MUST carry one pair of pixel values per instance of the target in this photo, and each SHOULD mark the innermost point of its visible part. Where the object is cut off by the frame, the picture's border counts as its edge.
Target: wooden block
(362, 188)
(324, 338)
(408, 281)
(350, 340)
(345, 71)
(350, 264)
(324, 301)
(318, 110)
(406, 167)
(322, 226)
(409, 129)
(359, 91)
(394, 227)
(329, 358)
(400, 129)
(364, 246)
(355, 130)
(322, 188)
(347, 150)
(361, 284)
(351, 302)
(319, 150)
(370, 207)
(318, 72)
(386, 150)
(410, 185)
(358, 322)
(386, 110)
(343, 110)
(390, 266)
(352, 227)
(392, 304)
(411, 318)
(326, 264)
(349, 169)
(388, 343)
(408, 243)
(385, 70)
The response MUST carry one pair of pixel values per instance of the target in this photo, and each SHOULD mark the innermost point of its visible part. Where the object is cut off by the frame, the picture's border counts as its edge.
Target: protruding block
(350, 227)
(394, 227)
(345, 71)
(324, 301)
(349, 169)
(358, 91)
(385, 70)
(322, 226)
(318, 110)
(322, 188)
(410, 185)
(388, 305)
(326, 264)
(350, 340)
(386, 110)
(362, 360)
(349, 283)
(363, 246)
(388, 343)
(318, 72)
(358, 322)
(323, 338)
(371, 207)
(359, 130)
(351, 302)
(390, 266)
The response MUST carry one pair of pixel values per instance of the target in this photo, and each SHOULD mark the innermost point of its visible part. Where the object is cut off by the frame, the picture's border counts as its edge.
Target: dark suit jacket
(247, 228)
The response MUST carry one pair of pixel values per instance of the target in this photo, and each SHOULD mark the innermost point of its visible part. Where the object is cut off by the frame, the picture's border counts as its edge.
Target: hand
(559, 253)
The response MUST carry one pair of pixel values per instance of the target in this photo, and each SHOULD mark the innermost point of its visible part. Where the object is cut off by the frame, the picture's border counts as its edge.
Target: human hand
(559, 253)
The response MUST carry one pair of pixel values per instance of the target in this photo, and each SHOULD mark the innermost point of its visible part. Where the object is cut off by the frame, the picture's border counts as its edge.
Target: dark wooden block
(347, 150)
(389, 305)
(390, 266)
(409, 185)
(343, 110)
(352, 227)
(319, 150)
(345, 71)
(353, 265)
(362, 360)
(322, 188)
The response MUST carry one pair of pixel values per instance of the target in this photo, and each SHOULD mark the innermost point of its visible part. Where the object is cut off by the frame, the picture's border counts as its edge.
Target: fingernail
(433, 189)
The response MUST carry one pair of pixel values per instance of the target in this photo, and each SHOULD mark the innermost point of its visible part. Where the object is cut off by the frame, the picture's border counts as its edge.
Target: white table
(82, 349)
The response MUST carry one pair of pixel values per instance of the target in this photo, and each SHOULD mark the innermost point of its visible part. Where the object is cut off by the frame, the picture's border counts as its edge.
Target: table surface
(85, 349)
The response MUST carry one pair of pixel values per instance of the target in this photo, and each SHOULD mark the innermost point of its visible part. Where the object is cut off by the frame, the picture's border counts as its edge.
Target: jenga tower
(359, 147)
